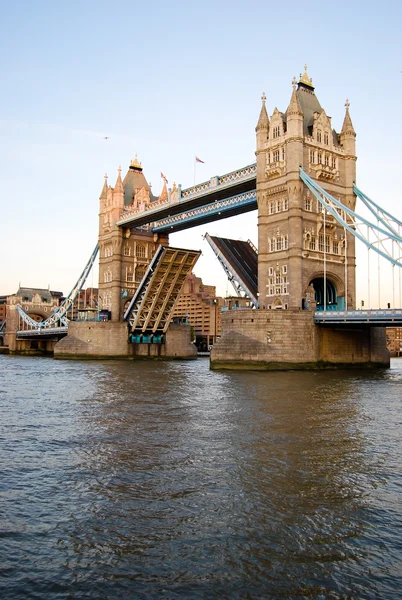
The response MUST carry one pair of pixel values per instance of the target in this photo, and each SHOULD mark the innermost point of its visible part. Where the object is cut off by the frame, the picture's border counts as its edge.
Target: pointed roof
(164, 193)
(263, 121)
(347, 127)
(294, 107)
(119, 184)
(104, 189)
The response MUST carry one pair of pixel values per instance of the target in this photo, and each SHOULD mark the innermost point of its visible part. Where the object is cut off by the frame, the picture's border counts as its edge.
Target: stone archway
(325, 286)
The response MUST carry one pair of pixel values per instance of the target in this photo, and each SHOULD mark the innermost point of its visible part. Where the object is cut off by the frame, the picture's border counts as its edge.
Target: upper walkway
(220, 197)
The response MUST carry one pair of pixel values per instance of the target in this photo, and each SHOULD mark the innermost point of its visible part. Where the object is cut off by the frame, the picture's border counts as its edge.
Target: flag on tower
(164, 177)
(199, 160)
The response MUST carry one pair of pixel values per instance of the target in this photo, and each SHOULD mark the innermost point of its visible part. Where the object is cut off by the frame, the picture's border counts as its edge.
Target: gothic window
(108, 251)
(276, 131)
(279, 243)
(327, 243)
(319, 135)
(279, 205)
(319, 158)
(312, 243)
(335, 247)
(308, 203)
(270, 271)
(127, 251)
(285, 242)
(268, 157)
(276, 155)
(285, 204)
(326, 138)
(333, 162)
(271, 208)
(284, 269)
(129, 276)
(107, 277)
(140, 251)
(312, 156)
(283, 153)
(326, 160)
(321, 243)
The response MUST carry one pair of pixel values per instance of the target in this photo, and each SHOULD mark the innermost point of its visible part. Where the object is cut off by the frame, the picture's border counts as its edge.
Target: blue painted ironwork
(3, 325)
(208, 211)
(247, 173)
(385, 317)
(216, 188)
(60, 315)
(352, 222)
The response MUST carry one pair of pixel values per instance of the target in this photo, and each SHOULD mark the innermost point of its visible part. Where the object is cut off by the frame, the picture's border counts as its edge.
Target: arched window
(140, 251)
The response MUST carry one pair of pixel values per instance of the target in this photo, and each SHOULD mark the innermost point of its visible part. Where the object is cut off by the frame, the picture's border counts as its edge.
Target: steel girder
(151, 307)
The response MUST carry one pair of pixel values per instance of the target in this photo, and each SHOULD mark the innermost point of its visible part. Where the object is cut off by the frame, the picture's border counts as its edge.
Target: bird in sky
(106, 137)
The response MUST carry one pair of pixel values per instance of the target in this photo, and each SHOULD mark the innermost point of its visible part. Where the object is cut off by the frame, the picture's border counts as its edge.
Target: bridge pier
(289, 339)
(108, 339)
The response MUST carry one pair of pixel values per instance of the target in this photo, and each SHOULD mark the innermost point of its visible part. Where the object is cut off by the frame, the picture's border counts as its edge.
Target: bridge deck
(385, 318)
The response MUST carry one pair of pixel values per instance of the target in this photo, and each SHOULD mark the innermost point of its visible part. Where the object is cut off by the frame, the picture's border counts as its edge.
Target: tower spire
(263, 121)
(294, 107)
(347, 127)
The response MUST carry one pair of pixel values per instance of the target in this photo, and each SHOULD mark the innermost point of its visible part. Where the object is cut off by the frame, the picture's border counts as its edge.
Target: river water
(166, 480)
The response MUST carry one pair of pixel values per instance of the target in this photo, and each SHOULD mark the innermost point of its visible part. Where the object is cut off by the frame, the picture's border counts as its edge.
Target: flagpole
(195, 163)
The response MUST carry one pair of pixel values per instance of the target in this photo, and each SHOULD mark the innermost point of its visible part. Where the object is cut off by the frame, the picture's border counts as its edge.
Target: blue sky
(169, 81)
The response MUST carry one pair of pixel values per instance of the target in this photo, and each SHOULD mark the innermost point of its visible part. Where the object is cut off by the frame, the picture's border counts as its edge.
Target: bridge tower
(124, 253)
(298, 245)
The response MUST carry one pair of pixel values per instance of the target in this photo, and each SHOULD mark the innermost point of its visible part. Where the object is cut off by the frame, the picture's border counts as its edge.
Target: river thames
(168, 480)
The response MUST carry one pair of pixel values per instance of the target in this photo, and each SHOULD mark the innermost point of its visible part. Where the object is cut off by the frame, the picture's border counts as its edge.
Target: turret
(294, 115)
(348, 135)
(262, 128)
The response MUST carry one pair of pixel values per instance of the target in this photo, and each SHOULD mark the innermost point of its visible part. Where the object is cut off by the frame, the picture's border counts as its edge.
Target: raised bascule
(301, 282)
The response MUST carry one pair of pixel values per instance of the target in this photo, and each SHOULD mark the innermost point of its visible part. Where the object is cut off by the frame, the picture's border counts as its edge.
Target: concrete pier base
(289, 339)
(94, 340)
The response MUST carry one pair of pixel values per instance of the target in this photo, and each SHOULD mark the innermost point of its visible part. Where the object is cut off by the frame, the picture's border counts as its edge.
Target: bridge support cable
(357, 224)
(59, 317)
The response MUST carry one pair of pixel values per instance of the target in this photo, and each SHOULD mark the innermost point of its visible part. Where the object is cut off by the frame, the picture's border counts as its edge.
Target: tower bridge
(302, 281)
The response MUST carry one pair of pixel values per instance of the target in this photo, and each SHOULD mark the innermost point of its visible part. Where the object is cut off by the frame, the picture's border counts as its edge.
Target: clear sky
(170, 80)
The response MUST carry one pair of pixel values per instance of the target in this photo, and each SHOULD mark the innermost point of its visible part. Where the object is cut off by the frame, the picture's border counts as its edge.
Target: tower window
(319, 158)
(308, 203)
(127, 251)
(140, 251)
(276, 155)
(312, 156)
(326, 159)
(335, 247)
(312, 243)
(326, 138)
(276, 132)
(319, 135)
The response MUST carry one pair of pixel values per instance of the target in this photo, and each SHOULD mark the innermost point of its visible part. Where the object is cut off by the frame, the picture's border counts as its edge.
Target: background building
(394, 340)
(199, 305)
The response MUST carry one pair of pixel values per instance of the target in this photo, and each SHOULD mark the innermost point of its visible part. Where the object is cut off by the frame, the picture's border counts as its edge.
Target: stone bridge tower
(124, 254)
(292, 242)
